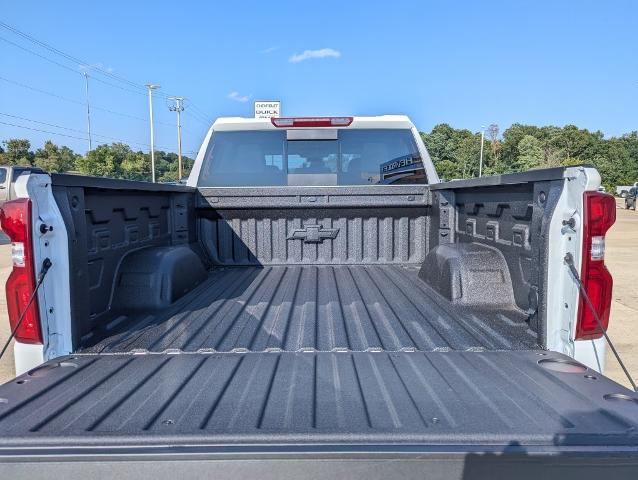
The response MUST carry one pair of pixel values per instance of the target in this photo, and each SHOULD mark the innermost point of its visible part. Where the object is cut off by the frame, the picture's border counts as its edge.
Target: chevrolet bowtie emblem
(313, 234)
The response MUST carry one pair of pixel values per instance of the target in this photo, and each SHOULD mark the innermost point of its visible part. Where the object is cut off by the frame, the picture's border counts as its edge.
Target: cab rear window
(270, 158)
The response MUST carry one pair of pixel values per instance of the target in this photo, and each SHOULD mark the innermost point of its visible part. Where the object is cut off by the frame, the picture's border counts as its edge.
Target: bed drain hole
(22, 382)
(563, 366)
(168, 422)
(45, 369)
(620, 397)
(591, 377)
(67, 365)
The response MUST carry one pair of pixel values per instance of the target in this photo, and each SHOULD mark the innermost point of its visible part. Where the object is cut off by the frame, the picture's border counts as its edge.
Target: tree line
(116, 160)
(455, 153)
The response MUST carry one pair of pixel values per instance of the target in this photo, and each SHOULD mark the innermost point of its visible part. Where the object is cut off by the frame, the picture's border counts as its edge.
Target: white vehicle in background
(623, 190)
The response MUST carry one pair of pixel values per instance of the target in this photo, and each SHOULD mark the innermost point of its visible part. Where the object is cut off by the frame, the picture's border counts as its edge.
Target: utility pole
(88, 108)
(178, 108)
(151, 87)
(482, 141)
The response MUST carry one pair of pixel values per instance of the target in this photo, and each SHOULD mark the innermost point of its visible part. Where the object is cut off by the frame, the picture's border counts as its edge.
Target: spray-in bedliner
(323, 308)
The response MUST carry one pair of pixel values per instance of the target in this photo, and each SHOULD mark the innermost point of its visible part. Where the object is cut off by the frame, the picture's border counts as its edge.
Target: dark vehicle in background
(630, 199)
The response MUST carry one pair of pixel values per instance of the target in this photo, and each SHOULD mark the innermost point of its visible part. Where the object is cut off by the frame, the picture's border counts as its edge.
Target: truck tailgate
(490, 401)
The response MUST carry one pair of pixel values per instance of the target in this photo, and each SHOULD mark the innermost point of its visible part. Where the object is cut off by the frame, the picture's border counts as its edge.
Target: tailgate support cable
(46, 264)
(569, 260)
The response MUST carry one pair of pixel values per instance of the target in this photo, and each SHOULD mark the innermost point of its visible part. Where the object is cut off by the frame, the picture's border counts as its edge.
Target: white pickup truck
(623, 190)
(316, 304)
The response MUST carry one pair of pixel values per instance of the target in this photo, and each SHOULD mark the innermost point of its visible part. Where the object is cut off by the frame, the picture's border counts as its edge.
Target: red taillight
(15, 221)
(599, 215)
(311, 122)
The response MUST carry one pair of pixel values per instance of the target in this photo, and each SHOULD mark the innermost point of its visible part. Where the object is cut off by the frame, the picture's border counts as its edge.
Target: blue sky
(465, 63)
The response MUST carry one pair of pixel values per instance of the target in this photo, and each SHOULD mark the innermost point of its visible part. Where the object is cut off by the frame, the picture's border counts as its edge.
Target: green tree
(135, 166)
(18, 152)
(103, 161)
(167, 164)
(530, 153)
(455, 153)
(55, 159)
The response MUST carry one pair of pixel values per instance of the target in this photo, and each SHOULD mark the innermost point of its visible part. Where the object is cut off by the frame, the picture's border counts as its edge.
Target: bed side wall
(512, 219)
(105, 226)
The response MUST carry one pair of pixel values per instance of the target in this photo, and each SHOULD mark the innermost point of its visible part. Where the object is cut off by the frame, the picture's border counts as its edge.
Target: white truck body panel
(54, 294)
(562, 313)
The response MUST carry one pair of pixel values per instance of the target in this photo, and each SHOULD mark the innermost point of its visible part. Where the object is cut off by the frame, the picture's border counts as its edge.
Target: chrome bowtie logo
(313, 234)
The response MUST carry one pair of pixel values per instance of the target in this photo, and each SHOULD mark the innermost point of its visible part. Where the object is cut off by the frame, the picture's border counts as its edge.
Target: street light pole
(151, 87)
(482, 142)
(178, 108)
(88, 109)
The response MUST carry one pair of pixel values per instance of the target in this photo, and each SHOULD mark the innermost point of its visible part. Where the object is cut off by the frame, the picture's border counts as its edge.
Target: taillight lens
(15, 221)
(599, 215)
(311, 122)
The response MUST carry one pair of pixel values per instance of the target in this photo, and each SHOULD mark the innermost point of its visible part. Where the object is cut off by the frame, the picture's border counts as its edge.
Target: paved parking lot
(6, 363)
(622, 259)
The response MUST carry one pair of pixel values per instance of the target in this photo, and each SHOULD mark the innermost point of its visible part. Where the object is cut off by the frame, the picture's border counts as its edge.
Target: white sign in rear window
(267, 108)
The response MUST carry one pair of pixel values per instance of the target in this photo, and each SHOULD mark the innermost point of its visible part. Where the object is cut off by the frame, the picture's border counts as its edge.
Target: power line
(67, 56)
(203, 114)
(66, 67)
(192, 115)
(40, 130)
(66, 99)
(38, 55)
(80, 62)
(73, 59)
(118, 86)
(34, 89)
(199, 116)
(68, 129)
(41, 123)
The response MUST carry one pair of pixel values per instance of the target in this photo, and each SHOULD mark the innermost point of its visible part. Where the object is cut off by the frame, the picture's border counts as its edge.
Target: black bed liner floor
(323, 308)
(493, 400)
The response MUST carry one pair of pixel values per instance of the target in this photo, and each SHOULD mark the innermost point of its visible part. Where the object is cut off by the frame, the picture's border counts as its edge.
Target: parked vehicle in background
(630, 199)
(623, 190)
(8, 176)
(314, 303)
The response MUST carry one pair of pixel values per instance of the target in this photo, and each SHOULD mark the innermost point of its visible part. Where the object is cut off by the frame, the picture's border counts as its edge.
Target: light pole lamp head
(152, 86)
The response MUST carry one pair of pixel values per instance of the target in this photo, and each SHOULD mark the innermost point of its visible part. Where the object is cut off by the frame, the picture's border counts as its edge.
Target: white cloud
(238, 97)
(321, 53)
(269, 49)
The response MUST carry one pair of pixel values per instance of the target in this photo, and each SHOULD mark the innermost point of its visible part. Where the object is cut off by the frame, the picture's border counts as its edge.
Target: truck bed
(321, 308)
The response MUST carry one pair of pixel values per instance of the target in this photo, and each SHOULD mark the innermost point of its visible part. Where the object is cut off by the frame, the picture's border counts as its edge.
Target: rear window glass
(3, 175)
(355, 157)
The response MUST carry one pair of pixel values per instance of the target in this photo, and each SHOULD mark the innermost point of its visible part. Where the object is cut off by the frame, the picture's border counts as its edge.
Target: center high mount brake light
(311, 122)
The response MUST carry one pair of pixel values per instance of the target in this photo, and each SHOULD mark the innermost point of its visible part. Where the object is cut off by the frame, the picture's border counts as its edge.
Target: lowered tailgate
(498, 406)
